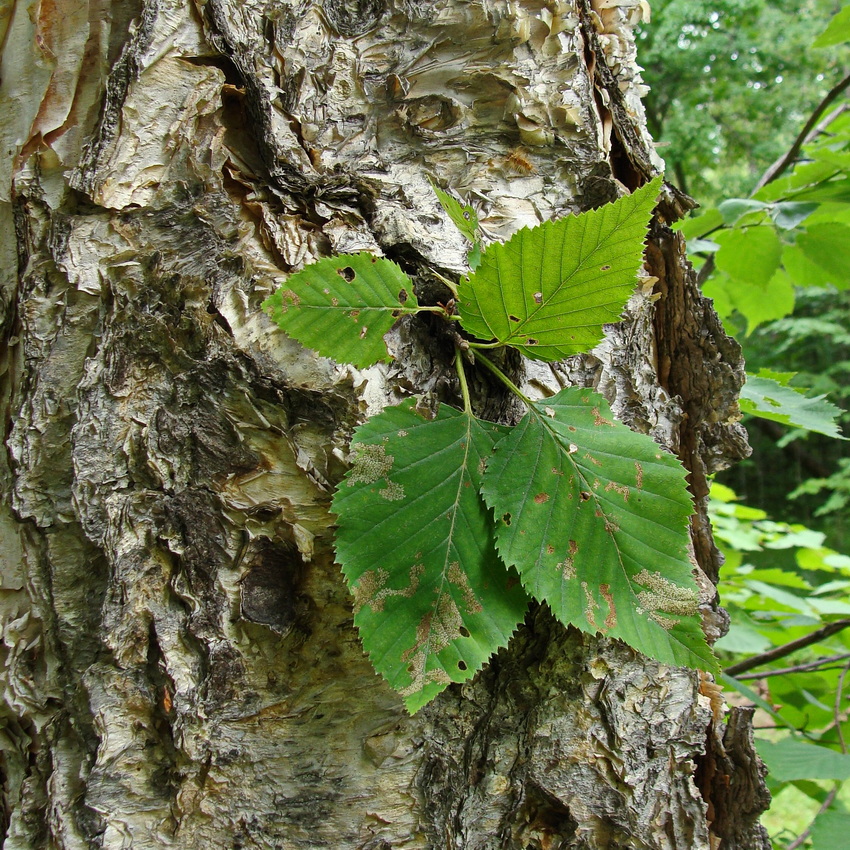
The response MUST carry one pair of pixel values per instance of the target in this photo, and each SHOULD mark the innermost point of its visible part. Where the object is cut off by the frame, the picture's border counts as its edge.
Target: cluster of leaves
(448, 523)
(789, 599)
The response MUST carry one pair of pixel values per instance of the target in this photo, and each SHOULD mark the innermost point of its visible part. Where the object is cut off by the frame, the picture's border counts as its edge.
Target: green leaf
(698, 226)
(549, 290)
(837, 32)
(753, 697)
(828, 245)
(595, 518)
(792, 759)
(769, 399)
(763, 304)
(463, 216)
(787, 215)
(432, 599)
(802, 270)
(830, 829)
(734, 209)
(342, 306)
(749, 255)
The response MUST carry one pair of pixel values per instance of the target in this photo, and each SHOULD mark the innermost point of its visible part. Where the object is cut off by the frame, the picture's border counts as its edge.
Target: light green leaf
(432, 599)
(763, 304)
(549, 290)
(828, 245)
(463, 216)
(595, 517)
(698, 226)
(770, 399)
(749, 255)
(802, 270)
(792, 759)
(831, 828)
(342, 306)
(837, 32)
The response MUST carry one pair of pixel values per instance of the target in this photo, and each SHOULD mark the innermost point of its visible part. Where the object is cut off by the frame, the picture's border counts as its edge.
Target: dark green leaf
(342, 306)
(432, 599)
(595, 518)
(549, 290)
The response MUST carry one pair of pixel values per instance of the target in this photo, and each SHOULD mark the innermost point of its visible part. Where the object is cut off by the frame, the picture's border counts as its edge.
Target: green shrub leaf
(432, 599)
(595, 518)
(749, 255)
(771, 399)
(549, 290)
(342, 306)
(792, 759)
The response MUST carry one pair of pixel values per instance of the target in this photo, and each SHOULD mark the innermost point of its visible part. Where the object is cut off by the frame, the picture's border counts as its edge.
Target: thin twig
(784, 163)
(800, 668)
(787, 648)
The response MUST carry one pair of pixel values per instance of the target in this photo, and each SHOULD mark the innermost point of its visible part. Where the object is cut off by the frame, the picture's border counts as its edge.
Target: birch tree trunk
(180, 664)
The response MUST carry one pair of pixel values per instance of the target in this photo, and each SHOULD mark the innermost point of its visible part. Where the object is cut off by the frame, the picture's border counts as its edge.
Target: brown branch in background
(783, 163)
(787, 648)
(800, 668)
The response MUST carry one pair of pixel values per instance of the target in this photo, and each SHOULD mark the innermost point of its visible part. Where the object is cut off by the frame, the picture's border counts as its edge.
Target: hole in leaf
(395, 313)
(506, 519)
(402, 296)
(347, 273)
(604, 268)
(584, 495)
(464, 631)
(531, 341)
(461, 665)
(514, 318)
(374, 259)
(538, 297)
(466, 215)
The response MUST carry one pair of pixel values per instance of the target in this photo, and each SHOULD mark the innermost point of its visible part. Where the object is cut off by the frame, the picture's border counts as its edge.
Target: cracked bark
(180, 663)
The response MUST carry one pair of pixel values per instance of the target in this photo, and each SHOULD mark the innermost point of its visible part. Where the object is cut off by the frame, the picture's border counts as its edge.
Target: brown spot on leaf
(611, 619)
(540, 498)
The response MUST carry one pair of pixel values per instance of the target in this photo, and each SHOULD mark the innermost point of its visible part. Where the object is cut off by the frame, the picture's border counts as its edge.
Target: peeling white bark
(180, 664)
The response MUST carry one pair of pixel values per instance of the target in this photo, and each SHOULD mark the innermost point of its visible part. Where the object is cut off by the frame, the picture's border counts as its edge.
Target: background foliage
(734, 83)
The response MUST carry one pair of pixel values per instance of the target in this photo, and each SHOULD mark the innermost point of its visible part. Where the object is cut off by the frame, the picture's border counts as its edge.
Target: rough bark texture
(180, 664)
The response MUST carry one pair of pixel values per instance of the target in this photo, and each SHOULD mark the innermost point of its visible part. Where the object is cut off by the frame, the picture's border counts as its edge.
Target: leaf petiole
(464, 386)
(502, 377)
(452, 286)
